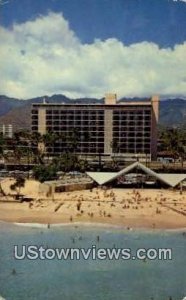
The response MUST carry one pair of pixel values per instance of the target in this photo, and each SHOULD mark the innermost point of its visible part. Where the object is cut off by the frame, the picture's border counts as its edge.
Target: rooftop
(171, 180)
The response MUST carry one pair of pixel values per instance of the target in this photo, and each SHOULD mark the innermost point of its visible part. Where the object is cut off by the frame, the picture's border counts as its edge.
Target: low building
(6, 130)
(140, 174)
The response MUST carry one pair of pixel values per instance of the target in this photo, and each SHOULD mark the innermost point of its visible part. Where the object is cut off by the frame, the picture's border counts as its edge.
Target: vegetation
(33, 148)
(20, 182)
(45, 172)
(2, 144)
(174, 141)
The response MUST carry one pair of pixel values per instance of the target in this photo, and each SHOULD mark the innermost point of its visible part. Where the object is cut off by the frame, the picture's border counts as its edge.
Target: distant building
(125, 128)
(6, 130)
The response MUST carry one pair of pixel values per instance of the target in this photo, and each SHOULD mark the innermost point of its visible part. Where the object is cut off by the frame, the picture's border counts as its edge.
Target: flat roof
(120, 104)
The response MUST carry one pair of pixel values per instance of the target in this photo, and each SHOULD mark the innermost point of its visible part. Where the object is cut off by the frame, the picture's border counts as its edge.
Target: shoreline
(92, 225)
(129, 226)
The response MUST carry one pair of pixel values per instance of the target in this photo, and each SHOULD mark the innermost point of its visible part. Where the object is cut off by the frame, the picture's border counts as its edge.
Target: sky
(86, 48)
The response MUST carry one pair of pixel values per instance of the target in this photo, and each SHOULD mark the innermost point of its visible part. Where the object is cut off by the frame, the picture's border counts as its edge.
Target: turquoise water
(91, 279)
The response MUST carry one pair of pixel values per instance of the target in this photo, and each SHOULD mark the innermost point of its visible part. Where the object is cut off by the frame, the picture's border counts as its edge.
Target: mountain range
(17, 112)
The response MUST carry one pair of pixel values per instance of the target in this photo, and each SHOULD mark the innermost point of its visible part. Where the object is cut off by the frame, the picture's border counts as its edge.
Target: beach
(102, 218)
(139, 208)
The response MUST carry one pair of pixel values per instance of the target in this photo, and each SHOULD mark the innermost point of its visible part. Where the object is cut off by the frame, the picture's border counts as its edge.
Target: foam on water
(74, 224)
(95, 225)
(35, 225)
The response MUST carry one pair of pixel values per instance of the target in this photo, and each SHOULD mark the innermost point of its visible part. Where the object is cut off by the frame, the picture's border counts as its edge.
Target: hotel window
(48, 112)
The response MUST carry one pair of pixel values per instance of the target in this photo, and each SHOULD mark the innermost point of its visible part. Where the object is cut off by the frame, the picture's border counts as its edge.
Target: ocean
(91, 279)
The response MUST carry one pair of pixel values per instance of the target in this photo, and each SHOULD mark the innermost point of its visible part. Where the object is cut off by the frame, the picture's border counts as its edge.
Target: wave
(74, 224)
(94, 225)
(1, 298)
(102, 225)
(33, 225)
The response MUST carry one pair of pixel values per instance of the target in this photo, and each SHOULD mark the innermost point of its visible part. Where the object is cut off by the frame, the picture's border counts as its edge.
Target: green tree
(115, 149)
(37, 147)
(2, 145)
(49, 139)
(19, 183)
(174, 141)
(44, 172)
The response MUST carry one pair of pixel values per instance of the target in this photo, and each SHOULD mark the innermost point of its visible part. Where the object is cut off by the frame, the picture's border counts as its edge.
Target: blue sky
(94, 46)
(131, 21)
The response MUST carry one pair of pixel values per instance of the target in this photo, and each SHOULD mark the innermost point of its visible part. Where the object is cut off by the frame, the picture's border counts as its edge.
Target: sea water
(91, 279)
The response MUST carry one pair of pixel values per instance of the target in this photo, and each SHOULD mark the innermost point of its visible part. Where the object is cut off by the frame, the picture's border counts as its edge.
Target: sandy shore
(143, 208)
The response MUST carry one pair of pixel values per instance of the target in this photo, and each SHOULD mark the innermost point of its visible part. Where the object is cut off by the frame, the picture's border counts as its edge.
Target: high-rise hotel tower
(126, 128)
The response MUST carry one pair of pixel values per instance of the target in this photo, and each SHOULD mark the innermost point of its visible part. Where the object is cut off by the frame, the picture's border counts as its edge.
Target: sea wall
(47, 188)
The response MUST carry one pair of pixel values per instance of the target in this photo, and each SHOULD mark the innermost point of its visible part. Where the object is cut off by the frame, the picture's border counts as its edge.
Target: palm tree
(49, 140)
(174, 140)
(2, 145)
(37, 147)
(73, 141)
(115, 149)
(20, 182)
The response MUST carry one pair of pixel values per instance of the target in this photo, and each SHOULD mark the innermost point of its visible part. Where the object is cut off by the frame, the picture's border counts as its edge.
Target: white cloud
(180, 1)
(44, 56)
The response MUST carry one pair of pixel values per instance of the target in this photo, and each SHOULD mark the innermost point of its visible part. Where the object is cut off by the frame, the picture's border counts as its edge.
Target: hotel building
(125, 128)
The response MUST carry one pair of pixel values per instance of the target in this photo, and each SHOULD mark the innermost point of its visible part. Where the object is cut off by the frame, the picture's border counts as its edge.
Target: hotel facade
(125, 128)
